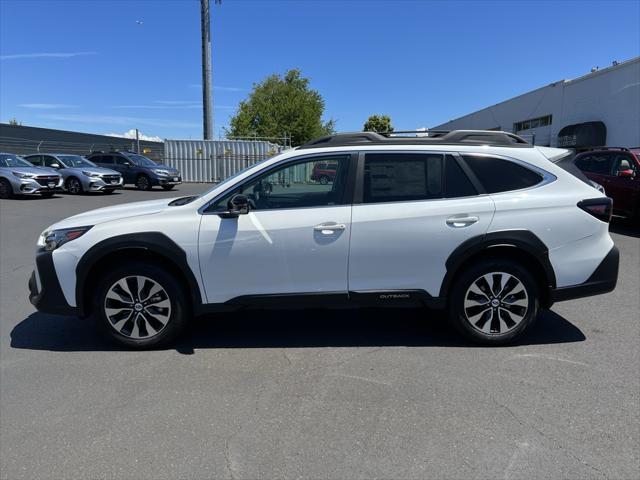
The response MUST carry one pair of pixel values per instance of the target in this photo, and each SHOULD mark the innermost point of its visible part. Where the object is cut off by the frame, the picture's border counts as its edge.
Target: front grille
(45, 181)
(109, 178)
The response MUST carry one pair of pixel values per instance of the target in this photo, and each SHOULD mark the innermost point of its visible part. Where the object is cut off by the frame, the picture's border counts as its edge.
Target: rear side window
(401, 177)
(499, 175)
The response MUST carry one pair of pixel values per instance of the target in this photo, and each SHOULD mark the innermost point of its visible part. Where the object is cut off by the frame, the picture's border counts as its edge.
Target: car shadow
(624, 227)
(24, 198)
(287, 329)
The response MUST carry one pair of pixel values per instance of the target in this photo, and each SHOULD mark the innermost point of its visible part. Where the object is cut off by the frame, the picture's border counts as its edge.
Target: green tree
(14, 121)
(378, 123)
(282, 105)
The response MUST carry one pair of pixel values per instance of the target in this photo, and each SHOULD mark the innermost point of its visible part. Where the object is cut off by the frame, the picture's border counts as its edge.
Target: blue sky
(89, 66)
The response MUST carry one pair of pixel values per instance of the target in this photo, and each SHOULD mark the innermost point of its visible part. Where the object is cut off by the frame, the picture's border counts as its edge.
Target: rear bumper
(44, 291)
(602, 280)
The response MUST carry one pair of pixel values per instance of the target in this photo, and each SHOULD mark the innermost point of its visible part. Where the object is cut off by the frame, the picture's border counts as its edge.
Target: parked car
(19, 177)
(324, 172)
(79, 174)
(138, 170)
(618, 171)
(479, 223)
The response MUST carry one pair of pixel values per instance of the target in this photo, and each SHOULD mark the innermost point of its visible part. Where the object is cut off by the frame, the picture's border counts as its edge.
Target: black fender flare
(155, 242)
(522, 240)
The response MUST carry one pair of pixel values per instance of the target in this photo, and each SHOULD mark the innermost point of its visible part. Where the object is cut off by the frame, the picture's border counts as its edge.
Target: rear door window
(402, 177)
(499, 175)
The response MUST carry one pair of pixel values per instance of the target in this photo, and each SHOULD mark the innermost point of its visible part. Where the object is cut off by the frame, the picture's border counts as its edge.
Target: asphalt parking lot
(314, 394)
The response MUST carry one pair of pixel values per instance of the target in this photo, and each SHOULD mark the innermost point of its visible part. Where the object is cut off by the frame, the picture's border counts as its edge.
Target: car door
(294, 240)
(125, 167)
(411, 210)
(623, 189)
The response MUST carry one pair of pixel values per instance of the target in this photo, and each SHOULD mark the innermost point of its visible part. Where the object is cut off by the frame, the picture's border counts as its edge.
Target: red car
(324, 172)
(618, 171)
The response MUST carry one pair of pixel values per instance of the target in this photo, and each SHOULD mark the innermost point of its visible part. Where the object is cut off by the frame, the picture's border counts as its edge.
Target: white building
(601, 108)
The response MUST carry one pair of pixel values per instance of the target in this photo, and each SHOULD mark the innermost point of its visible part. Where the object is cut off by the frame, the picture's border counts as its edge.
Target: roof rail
(624, 149)
(423, 137)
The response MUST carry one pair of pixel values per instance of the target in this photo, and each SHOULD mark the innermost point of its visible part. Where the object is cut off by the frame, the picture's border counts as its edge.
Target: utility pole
(207, 101)
(137, 142)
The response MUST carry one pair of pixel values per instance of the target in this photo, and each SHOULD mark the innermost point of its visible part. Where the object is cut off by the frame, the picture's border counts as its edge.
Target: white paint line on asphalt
(356, 377)
(550, 357)
(522, 446)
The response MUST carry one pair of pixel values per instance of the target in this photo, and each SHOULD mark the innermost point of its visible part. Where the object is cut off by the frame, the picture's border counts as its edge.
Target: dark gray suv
(138, 170)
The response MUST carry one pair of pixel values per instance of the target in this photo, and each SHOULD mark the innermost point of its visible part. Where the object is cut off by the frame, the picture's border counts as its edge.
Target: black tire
(122, 325)
(324, 180)
(74, 187)
(47, 194)
(6, 191)
(511, 312)
(168, 187)
(143, 183)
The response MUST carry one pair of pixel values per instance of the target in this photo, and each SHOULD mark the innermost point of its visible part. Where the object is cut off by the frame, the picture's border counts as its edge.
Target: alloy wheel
(137, 307)
(496, 303)
(142, 183)
(74, 186)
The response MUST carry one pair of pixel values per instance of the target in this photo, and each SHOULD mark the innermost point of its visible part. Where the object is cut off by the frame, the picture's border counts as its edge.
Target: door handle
(329, 228)
(459, 222)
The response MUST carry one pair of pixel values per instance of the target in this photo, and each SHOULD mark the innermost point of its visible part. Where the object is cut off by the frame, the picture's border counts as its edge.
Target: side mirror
(238, 205)
(126, 164)
(627, 173)
(55, 165)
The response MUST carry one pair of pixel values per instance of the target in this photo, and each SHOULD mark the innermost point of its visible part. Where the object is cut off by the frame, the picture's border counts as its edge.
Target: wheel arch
(522, 246)
(154, 247)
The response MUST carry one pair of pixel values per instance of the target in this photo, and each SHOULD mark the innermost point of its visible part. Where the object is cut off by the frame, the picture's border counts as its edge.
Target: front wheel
(5, 189)
(141, 305)
(324, 180)
(74, 186)
(168, 187)
(143, 183)
(494, 302)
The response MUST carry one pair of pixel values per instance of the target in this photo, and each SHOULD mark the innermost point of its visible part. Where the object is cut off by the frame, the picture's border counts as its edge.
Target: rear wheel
(494, 302)
(141, 305)
(168, 187)
(324, 180)
(143, 183)
(5, 189)
(74, 186)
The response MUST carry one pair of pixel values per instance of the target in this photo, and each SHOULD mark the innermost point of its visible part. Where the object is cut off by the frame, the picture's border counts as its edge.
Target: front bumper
(169, 180)
(602, 280)
(44, 288)
(98, 184)
(30, 186)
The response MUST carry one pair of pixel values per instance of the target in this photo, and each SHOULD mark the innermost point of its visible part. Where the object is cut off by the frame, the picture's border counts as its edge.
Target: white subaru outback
(480, 223)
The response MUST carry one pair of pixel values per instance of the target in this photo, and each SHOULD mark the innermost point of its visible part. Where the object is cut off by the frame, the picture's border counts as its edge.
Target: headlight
(24, 175)
(52, 239)
(91, 174)
(162, 172)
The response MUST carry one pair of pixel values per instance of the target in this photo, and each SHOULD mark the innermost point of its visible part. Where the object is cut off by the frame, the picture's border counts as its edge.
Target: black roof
(430, 137)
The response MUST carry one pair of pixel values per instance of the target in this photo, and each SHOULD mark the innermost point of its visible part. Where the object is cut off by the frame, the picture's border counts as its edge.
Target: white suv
(480, 223)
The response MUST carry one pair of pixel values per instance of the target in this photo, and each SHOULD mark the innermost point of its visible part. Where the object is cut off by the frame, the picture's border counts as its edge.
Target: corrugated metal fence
(215, 160)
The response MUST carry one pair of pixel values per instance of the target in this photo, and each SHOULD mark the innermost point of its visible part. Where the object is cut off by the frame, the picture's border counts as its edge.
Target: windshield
(141, 161)
(10, 161)
(75, 161)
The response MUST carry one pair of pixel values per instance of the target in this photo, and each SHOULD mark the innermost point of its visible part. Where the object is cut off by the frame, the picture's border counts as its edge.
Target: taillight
(601, 208)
